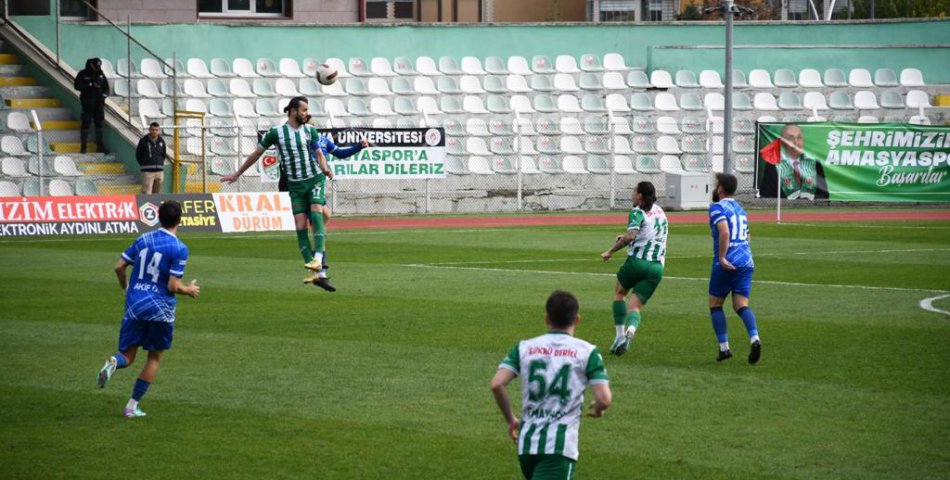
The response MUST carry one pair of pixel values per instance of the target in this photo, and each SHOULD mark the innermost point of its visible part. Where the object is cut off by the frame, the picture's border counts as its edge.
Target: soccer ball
(326, 75)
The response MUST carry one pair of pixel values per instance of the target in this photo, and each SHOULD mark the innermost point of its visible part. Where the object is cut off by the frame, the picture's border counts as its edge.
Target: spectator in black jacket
(150, 154)
(93, 89)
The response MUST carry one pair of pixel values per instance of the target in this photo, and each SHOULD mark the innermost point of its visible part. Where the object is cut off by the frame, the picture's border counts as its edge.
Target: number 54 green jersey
(555, 368)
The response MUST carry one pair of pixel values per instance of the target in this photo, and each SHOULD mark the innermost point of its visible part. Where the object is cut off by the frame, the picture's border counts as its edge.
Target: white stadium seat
(290, 69)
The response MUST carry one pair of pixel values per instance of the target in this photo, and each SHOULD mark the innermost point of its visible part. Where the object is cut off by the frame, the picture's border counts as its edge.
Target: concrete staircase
(21, 92)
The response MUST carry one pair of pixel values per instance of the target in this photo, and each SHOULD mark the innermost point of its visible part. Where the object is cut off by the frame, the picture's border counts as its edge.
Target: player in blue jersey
(732, 266)
(325, 145)
(158, 262)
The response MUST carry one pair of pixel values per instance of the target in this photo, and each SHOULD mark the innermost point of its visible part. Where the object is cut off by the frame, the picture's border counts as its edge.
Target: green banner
(848, 162)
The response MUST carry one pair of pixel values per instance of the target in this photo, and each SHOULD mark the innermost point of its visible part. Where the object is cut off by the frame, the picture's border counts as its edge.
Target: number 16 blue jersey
(728, 210)
(155, 256)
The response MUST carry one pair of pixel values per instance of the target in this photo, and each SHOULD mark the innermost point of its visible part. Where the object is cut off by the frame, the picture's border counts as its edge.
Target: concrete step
(17, 81)
(24, 91)
(11, 70)
(95, 168)
(120, 189)
(59, 124)
(48, 114)
(32, 102)
(71, 147)
(9, 59)
(214, 186)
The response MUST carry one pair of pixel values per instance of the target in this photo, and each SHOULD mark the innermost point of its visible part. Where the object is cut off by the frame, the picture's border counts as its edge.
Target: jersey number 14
(149, 266)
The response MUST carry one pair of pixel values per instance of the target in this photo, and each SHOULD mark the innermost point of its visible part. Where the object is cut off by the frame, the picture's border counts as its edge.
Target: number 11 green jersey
(555, 368)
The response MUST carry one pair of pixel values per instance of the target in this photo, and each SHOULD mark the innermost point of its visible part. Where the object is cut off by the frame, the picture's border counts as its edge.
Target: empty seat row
(595, 164)
(57, 187)
(783, 78)
(17, 167)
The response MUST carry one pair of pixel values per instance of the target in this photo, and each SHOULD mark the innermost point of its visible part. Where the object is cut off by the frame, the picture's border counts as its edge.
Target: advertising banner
(393, 153)
(105, 214)
(198, 212)
(885, 162)
(254, 212)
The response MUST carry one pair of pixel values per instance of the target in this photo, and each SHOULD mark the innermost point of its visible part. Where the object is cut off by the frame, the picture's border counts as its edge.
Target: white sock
(619, 330)
(753, 339)
(631, 330)
(322, 274)
(723, 346)
(133, 404)
(318, 257)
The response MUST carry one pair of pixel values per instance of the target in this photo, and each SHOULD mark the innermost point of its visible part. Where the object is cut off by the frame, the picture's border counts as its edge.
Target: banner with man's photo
(393, 153)
(882, 162)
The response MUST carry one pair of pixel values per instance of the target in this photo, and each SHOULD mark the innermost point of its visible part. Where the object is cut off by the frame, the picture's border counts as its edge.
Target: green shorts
(641, 276)
(308, 192)
(547, 467)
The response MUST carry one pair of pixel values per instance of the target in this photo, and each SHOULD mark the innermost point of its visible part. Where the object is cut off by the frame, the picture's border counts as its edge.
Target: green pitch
(388, 377)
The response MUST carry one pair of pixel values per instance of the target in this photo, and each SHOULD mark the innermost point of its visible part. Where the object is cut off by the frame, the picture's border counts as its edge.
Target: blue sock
(120, 361)
(141, 387)
(748, 318)
(719, 323)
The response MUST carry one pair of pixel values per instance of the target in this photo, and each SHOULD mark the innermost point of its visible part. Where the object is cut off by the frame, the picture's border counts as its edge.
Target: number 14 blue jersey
(728, 210)
(155, 256)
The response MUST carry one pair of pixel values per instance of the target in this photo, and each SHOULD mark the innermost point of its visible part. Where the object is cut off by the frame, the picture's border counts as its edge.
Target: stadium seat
(472, 66)
(382, 123)
(380, 106)
(661, 79)
(759, 78)
(667, 144)
(449, 66)
(400, 86)
(695, 163)
(918, 99)
(667, 126)
(152, 68)
(743, 125)
(547, 146)
(520, 104)
(590, 81)
(815, 101)
(380, 67)
(840, 100)
(195, 89)
(542, 64)
(495, 84)
(647, 164)
(18, 122)
(285, 87)
(125, 70)
(789, 101)
(738, 79)
(338, 65)
(334, 108)
(641, 102)
(541, 83)
(502, 146)
(60, 188)
(592, 103)
(494, 65)
(544, 103)
(596, 145)
(403, 66)
(623, 165)
(404, 106)
(743, 144)
(565, 83)
(378, 86)
(528, 165)
(834, 77)
(665, 102)
(919, 120)
(686, 79)
(498, 104)
(504, 166)
(671, 164)
(860, 78)
(13, 167)
(547, 125)
(911, 77)
(108, 70)
(473, 104)
(691, 144)
(715, 101)
(867, 119)
(810, 78)
(408, 123)
(197, 68)
(448, 86)
(643, 125)
(428, 105)
(518, 84)
(571, 145)
(710, 79)
(146, 87)
(84, 186)
(355, 86)
(267, 68)
(616, 103)
(745, 164)
(865, 100)
(497, 126)
(567, 103)
(566, 64)
(469, 84)
(358, 67)
(614, 81)
(262, 88)
(244, 108)
(476, 146)
(598, 165)
(242, 67)
(574, 164)
(614, 62)
(525, 146)
(518, 65)
(550, 165)
(693, 125)
(785, 78)
(288, 68)
(220, 107)
(764, 101)
(891, 99)
(149, 108)
(450, 104)
(33, 167)
(644, 145)
(590, 63)
(357, 106)
(621, 146)
(309, 67)
(424, 86)
(453, 127)
(885, 77)
(638, 79)
(690, 101)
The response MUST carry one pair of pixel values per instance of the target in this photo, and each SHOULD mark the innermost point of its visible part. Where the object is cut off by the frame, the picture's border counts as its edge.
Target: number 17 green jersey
(555, 368)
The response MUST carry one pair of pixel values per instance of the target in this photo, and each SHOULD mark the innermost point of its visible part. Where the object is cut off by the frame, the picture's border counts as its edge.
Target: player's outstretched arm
(602, 399)
(120, 267)
(175, 286)
(620, 242)
(251, 159)
(499, 388)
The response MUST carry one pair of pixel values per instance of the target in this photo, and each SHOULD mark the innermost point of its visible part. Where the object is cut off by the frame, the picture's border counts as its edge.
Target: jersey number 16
(739, 228)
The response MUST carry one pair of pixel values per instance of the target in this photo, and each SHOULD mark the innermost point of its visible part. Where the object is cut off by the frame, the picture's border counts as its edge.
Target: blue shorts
(148, 325)
(739, 282)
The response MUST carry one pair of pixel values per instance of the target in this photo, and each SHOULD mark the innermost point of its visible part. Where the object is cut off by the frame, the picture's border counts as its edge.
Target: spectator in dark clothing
(150, 154)
(93, 89)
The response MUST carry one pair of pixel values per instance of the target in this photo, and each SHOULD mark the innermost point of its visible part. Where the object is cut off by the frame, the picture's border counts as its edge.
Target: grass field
(388, 377)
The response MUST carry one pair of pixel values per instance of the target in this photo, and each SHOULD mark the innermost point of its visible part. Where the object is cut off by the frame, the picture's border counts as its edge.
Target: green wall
(643, 45)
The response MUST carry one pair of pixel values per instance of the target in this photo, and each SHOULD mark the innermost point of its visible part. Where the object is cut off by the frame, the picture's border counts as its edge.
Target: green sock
(632, 320)
(620, 311)
(319, 231)
(304, 243)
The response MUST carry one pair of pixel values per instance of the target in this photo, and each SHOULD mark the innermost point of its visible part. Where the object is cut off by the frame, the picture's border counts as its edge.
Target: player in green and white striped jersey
(306, 176)
(645, 240)
(555, 369)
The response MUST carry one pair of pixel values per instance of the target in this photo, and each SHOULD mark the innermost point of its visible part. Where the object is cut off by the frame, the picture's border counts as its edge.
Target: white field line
(675, 257)
(928, 304)
(692, 279)
(889, 226)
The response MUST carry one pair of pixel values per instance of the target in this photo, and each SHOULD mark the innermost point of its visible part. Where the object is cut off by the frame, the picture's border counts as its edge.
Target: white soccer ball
(326, 75)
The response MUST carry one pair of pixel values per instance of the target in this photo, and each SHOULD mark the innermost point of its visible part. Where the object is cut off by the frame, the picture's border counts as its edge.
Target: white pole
(778, 196)
(39, 149)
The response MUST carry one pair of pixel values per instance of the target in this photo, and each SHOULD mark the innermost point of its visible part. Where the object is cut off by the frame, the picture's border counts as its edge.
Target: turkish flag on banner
(772, 152)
